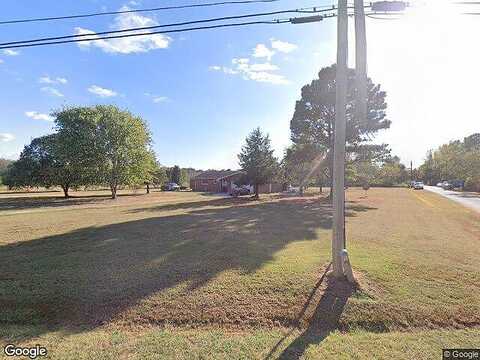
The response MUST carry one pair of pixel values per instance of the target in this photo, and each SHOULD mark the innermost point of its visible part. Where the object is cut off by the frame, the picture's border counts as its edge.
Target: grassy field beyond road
(249, 277)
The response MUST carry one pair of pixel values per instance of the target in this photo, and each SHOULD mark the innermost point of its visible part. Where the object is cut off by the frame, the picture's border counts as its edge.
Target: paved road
(471, 200)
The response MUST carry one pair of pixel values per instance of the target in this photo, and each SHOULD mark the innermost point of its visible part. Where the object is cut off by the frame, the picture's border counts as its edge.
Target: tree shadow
(35, 202)
(223, 202)
(91, 276)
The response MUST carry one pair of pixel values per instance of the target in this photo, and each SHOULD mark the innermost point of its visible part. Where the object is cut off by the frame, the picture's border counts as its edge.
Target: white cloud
(261, 51)
(261, 72)
(102, 92)
(6, 137)
(263, 67)
(10, 52)
(38, 116)
(48, 80)
(160, 99)
(128, 45)
(51, 91)
(157, 98)
(283, 46)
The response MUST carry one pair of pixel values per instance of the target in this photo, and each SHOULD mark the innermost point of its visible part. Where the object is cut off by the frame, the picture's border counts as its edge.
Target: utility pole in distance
(338, 239)
(411, 172)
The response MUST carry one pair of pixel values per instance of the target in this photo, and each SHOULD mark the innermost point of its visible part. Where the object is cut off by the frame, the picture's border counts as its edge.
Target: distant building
(216, 181)
(224, 181)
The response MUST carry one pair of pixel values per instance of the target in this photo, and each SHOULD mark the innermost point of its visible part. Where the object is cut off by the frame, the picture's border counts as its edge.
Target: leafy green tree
(159, 176)
(4, 164)
(46, 161)
(362, 173)
(314, 119)
(123, 148)
(472, 142)
(77, 136)
(175, 175)
(301, 166)
(392, 172)
(257, 160)
(457, 160)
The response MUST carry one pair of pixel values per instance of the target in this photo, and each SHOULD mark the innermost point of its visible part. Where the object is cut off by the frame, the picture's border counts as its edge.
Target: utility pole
(411, 172)
(361, 61)
(338, 239)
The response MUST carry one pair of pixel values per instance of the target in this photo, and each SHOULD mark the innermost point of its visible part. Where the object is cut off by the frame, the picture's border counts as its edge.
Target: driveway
(468, 199)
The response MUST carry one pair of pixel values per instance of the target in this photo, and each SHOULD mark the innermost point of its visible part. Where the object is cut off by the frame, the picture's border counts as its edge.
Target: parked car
(171, 187)
(447, 185)
(418, 185)
(440, 184)
(240, 191)
(458, 184)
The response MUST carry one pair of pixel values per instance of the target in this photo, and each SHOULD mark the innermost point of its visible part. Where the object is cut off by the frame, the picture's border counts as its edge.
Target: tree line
(457, 160)
(106, 146)
(92, 146)
(309, 160)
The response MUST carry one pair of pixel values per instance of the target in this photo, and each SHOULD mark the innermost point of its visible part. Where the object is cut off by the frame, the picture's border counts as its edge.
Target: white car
(418, 185)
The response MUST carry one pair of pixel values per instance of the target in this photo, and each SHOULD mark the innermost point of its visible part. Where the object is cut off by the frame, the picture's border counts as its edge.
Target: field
(187, 275)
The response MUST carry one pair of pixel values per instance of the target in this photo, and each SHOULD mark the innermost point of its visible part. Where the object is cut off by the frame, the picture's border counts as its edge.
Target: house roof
(216, 174)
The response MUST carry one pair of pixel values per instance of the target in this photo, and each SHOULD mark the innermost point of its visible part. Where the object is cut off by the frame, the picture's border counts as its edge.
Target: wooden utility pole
(338, 239)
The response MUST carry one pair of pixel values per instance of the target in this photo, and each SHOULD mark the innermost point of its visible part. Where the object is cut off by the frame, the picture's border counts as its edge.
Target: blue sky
(201, 93)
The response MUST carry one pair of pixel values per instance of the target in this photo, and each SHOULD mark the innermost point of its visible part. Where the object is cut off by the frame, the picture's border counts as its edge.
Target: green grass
(210, 277)
(174, 343)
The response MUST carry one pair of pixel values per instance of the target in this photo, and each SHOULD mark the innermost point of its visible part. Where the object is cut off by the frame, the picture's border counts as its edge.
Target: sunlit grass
(241, 273)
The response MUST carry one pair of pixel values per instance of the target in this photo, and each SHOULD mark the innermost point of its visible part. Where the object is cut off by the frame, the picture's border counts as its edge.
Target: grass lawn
(187, 275)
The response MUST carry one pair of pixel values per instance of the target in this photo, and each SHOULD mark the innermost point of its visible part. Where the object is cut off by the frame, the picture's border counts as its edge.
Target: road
(470, 200)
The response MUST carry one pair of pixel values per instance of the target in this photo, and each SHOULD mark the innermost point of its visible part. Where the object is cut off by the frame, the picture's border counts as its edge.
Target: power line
(273, 22)
(304, 10)
(52, 18)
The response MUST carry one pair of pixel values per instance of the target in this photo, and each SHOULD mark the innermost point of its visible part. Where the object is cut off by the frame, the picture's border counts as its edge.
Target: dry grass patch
(203, 261)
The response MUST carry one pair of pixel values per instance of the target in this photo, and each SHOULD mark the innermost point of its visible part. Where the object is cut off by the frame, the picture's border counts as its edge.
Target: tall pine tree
(257, 160)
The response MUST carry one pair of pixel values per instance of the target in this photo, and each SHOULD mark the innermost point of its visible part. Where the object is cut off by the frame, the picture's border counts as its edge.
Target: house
(223, 181)
(215, 181)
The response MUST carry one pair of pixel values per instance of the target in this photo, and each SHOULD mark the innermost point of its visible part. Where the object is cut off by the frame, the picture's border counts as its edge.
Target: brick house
(222, 181)
(215, 181)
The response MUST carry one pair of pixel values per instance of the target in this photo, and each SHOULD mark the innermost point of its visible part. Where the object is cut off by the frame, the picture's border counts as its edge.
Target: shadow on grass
(85, 278)
(325, 319)
(34, 202)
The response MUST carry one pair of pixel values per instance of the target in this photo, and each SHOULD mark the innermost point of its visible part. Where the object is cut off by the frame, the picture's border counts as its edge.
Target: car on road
(446, 185)
(418, 185)
(171, 187)
(440, 184)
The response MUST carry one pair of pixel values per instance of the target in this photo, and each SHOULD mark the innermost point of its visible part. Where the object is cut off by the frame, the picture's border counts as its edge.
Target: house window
(205, 182)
